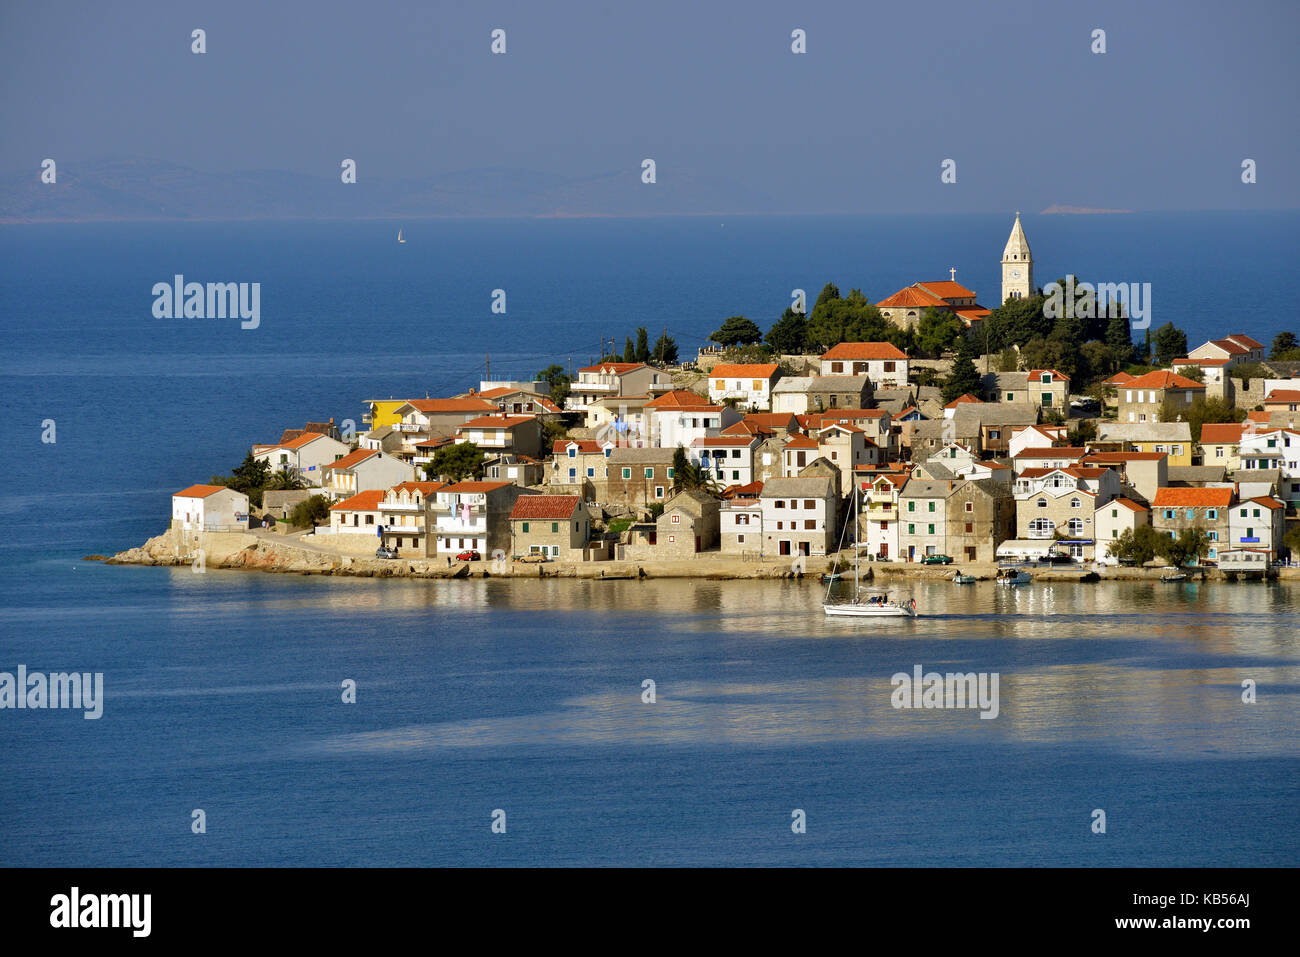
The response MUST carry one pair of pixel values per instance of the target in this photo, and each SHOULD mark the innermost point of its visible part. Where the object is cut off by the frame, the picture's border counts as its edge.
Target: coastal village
(950, 454)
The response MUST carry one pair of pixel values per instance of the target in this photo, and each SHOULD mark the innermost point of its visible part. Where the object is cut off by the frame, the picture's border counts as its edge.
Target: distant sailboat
(399, 237)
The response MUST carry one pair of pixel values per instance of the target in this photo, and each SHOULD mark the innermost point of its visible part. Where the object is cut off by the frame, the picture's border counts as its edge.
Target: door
(911, 553)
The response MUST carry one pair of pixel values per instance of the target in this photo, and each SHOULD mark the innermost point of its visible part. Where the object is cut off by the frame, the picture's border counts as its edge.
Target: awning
(1026, 548)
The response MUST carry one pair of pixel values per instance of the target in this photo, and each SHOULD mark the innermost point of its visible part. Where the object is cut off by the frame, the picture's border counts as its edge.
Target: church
(905, 307)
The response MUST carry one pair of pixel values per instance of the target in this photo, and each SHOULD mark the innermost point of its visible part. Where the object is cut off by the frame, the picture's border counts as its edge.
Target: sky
(860, 123)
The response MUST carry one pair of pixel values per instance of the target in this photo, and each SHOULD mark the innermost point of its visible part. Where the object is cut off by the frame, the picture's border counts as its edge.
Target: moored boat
(1013, 576)
(960, 579)
(865, 603)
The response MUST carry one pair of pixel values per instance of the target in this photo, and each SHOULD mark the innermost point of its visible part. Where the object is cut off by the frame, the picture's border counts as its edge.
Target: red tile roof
(745, 492)
(367, 501)
(296, 443)
(947, 289)
(862, 351)
(1053, 451)
(561, 446)
(1161, 379)
(1267, 501)
(773, 420)
(1119, 378)
(1193, 497)
(1201, 362)
(801, 442)
(744, 371)
(1230, 347)
(1037, 375)
(436, 406)
(614, 368)
(1282, 395)
(1123, 456)
(679, 399)
(351, 459)
(424, 488)
(1220, 433)
(1129, 504)
(545, 506)
(911, 297)
(496, 422)
(963, 400)
(1245, 340)
(199, 491)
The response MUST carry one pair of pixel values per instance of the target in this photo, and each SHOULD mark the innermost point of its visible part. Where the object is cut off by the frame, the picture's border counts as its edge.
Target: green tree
(454, 463)
(1084, 431)
(285, 480)
(1008, 360)
(1191, 544)
(1292, 542)
(310, 512)
(1096, 361)
(829, 292)
(642, 345)
(249, 477)
(1136, 546)
(1119, 339)
(687, 475)
(557, 381)
(1201, 410)
(665, 350)
(936, 331)
(1285, 348)
(629, 350)
(787, 335)
(964, 377)
(1195, 373)
(1170, 344)
(737, 331)
(1017, 321)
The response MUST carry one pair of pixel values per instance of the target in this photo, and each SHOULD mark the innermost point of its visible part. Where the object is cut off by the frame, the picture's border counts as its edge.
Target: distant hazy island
(1079, 210)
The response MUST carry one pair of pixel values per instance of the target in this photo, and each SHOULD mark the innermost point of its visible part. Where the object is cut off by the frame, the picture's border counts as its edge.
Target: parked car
(385, 552)
(468, 556)
(533, 558)
(936, 560)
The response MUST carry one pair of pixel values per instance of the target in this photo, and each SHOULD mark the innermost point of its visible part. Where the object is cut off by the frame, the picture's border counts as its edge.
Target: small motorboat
(827, 578)
(1172, 575)
(1013, 576)
(960, 579)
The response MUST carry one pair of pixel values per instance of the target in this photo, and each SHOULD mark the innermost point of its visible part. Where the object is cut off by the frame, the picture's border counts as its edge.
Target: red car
(468, 557)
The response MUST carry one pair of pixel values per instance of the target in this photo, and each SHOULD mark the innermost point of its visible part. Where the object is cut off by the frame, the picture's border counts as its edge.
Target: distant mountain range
(128, 188)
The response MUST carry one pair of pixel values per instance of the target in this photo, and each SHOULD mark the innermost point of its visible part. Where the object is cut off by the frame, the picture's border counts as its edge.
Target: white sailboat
(866, 602)
(399, 236)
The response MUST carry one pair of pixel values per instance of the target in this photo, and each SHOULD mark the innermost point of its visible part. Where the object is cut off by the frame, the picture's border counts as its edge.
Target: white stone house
(210, 508)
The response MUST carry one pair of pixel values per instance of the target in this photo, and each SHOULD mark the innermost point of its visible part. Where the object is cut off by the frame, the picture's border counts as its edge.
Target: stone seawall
(274, 553)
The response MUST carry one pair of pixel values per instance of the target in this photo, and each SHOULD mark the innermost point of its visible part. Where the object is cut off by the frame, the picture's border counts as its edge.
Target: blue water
(223, 689)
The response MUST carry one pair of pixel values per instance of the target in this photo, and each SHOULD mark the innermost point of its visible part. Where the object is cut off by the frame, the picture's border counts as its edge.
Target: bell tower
(1017, 265)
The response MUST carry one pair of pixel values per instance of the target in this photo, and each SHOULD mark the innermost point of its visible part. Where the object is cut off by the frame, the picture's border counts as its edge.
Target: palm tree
(285, 480)
(688, 475)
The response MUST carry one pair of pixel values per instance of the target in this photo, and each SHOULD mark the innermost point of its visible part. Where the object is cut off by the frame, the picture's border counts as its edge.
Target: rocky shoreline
(270, 553)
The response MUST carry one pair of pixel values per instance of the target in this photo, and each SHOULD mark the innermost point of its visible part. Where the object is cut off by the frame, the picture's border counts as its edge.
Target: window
(1218, 452)
(1011, 397)
(719, 384)
(970, 527)
(676, 519)
(650, 473)
(1074, 503)
(1075, 525)
(810, 524)
(1214, 536)
(627, 473)
(809, 503)
(659, 491)
(931, 504)
(1177, 450)
(1255, 514)
(911, 506)
(1042, 503)
(1212, 513)
(742, 519)
(1114, 513)
(525, 528)
(911, 529)
(740, 539)
(780, 503)
(555, 527)
(591, 473)
(837, 367)
(573, 452)
(757, 385)
(1047, 398)
(931, 530)
(1160, 448)
(1189, 513)
(1169, 513)
(1042, 526)
(889, 366)
(970, 506)
(672, 472)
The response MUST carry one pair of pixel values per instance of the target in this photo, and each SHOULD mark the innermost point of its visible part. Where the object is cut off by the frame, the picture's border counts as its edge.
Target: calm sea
(223, 689)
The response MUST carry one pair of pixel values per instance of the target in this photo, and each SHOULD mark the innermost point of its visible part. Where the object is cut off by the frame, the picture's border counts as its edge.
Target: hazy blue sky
(860, 123)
